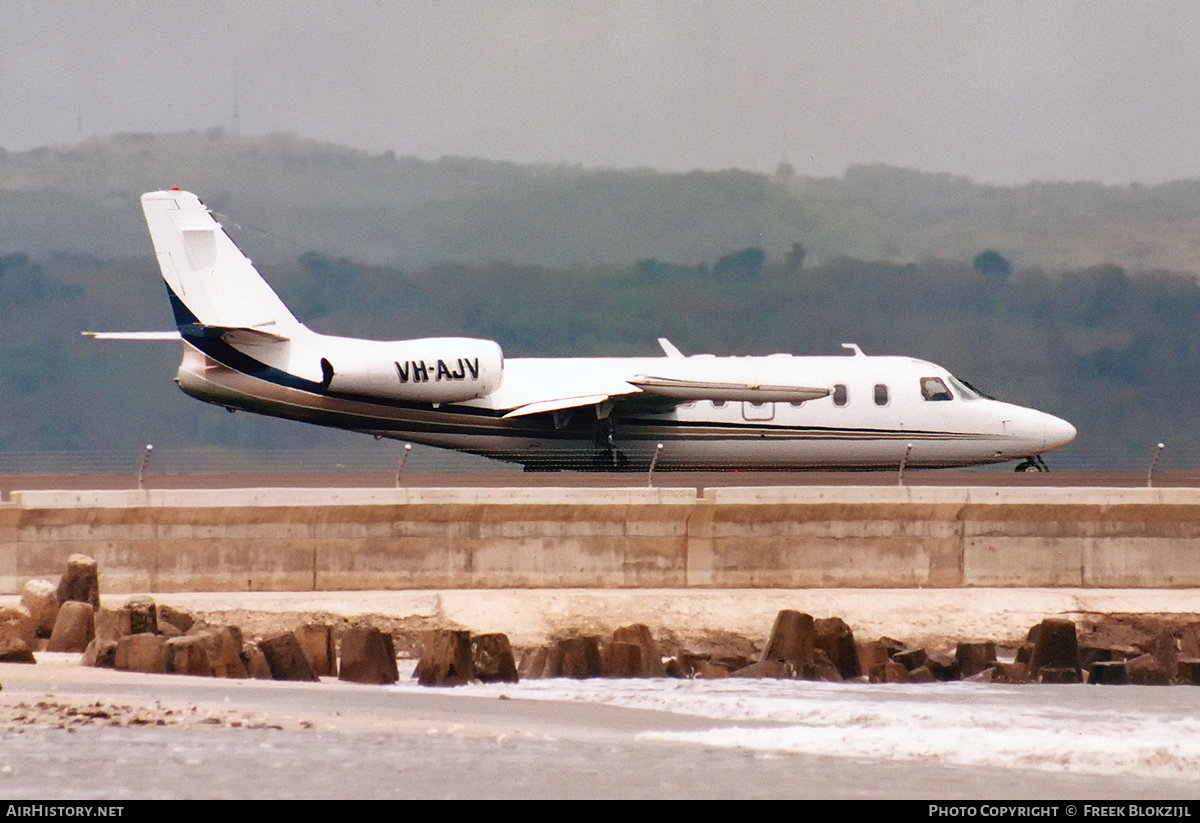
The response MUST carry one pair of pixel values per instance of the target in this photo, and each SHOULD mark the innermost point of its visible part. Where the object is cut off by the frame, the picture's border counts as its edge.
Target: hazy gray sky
(999, 91)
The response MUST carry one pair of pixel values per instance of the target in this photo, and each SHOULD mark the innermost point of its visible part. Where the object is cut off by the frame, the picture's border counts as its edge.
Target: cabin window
(718, 404)
(932, 388)
(796, 403)
(840, 396)
(881, 394)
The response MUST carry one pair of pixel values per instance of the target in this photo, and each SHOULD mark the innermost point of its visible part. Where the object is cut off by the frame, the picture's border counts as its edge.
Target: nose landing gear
(1034, 463)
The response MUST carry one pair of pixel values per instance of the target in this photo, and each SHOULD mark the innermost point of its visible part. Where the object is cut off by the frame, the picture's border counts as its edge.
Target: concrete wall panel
(997, 560)
(1142, 562)
(337, 539)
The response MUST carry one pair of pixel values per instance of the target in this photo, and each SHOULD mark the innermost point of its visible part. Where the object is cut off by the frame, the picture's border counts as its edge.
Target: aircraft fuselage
(870, 426)
(243, 349)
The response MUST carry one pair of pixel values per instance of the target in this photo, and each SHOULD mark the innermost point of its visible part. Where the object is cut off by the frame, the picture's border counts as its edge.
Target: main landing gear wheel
(609, 460)
(607, 457)
(1032, 464)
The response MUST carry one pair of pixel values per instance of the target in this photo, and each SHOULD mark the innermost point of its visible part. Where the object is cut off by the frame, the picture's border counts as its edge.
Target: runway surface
(517, 479)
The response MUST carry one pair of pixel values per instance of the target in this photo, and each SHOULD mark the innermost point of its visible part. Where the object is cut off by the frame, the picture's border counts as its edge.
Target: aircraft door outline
(758, 412)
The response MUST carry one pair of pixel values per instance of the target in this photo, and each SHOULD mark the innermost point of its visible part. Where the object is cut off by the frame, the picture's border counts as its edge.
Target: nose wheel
(1032, 464)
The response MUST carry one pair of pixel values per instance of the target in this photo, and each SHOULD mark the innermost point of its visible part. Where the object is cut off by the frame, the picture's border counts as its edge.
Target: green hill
(1055, 295)
(1118, 356)
(291, 195)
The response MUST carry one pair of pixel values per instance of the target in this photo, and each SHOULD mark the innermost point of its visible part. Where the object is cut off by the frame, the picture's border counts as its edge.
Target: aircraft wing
(675, 391)
(685, 389)
(662, 382)
(740, 379)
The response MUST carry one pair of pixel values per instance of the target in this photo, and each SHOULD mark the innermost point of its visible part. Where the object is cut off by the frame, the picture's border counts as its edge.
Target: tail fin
(211, 283)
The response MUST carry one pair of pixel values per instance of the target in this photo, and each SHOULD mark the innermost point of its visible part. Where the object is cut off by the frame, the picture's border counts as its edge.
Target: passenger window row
(932, 388)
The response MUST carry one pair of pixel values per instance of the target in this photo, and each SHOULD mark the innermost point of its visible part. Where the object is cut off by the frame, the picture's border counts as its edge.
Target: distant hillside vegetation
(1076, 298)
(1118, 356)
(283, 195)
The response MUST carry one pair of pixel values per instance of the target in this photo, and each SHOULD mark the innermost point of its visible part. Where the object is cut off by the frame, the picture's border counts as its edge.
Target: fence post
(403, 460)
(653, 462)
(145, 465)
(1153, 463)
(903, 462)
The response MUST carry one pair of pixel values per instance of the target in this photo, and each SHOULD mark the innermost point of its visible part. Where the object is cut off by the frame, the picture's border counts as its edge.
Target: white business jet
(243, 349)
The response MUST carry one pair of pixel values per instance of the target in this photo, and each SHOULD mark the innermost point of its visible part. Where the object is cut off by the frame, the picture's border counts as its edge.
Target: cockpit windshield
(932, 388)
(964, 390)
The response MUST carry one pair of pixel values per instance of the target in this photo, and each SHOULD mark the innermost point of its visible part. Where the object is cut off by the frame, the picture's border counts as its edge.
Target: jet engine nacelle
(434, 370)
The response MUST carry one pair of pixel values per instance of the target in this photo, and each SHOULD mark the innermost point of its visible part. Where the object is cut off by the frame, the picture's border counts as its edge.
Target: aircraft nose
(1057, 432)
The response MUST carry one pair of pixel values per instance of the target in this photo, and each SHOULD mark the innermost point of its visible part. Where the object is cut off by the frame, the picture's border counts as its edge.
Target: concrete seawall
(762, 537)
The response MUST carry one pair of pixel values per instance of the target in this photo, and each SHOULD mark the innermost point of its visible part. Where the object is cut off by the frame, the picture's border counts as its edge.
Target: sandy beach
(68, 731)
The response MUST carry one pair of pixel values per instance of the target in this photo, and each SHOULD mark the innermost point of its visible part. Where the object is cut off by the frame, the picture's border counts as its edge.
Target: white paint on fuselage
(965, 430)
(562, 411)
(859, 434)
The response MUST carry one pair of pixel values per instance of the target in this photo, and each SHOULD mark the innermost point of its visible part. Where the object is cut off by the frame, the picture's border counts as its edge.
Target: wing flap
(559, 404)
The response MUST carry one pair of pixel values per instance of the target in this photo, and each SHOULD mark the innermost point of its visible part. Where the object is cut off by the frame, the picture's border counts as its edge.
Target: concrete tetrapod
(368, 656)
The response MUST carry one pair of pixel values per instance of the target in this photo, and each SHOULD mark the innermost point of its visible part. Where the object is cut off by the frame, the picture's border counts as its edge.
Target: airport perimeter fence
(387, 458)
(384, 458)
